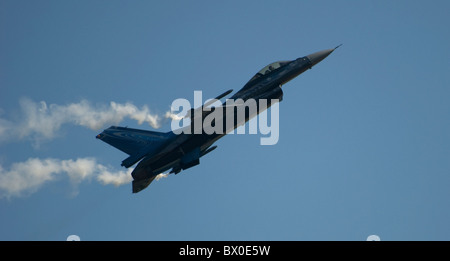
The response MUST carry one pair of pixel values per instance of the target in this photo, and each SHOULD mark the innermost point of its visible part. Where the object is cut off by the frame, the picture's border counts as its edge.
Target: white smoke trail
(42, 121)
(160, 176)
(117, 178)
(24, 178)
(173, 116)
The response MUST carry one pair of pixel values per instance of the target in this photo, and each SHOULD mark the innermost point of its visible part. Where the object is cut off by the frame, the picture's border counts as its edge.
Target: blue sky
(364, 142)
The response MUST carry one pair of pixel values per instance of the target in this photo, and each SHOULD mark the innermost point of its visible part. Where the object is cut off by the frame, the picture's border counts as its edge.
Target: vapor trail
(41, 121)
(25, 178)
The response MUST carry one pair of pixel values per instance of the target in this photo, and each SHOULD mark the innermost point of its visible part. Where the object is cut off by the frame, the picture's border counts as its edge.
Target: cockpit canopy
(268, 69)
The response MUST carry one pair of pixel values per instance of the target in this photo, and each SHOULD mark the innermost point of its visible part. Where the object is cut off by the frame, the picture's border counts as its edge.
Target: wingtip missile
(224, 94)
(208, 150)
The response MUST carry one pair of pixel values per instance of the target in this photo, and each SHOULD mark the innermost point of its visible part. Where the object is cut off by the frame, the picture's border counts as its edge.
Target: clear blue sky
(364, 142)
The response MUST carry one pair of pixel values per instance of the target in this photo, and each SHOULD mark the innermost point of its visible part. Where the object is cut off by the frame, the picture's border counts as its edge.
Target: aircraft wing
(134, 142)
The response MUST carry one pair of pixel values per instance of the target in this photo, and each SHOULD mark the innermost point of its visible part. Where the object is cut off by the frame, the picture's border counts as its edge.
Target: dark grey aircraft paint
(157, 152)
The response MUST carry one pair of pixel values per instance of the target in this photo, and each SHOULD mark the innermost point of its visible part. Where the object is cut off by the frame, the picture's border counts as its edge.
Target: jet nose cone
(316, 57)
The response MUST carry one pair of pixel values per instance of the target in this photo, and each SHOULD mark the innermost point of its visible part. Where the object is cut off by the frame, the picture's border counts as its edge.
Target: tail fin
(136, 143)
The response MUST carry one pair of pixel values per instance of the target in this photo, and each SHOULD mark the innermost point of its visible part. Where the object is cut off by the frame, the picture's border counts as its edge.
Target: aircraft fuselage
(184, 150)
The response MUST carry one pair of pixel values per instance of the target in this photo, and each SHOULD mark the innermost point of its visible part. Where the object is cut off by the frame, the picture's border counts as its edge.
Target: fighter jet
(158, 152)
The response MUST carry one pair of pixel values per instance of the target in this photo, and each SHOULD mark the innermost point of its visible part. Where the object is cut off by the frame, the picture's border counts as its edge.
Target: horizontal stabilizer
(139, 185)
